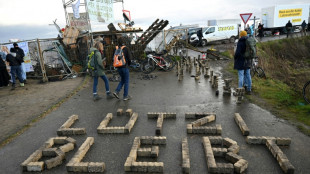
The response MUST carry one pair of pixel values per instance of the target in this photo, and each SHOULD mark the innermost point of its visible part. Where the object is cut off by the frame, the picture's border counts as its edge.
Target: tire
(306, 92)
(260, 72)
(204, 42)
(136, 67)
(232, 39)
(169, 59)
(148, 66)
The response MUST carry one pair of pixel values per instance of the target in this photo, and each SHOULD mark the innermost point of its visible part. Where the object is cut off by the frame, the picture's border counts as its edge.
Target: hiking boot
(22, 84)
(248, 93)
(13, 87)
(127, 98)
(96, 97)
(109, 95)
(116, 95)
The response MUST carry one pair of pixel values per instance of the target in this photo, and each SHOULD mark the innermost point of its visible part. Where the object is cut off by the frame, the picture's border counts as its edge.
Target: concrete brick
(49, 143)
(234, 148)
(170, 115)
(32, 158)
(67, 147)
(225, 168)
(119, 112)
(283, 141)
(152, 115)
(255, 140)
(35, 166)
(127, 165)
(79, 131)
(242, 125)
(219, 152)
(154, 151)
(60, 140)
(216, 140)
(49, 152)
(218, 129)
(129, 112)
(212, 168)
(71, 140)
(156, 167)
(144, 152)
(53, 162)
(287, 167)
(189, 128)
(77, 167)
(96, 167)
(228, 142)
(232, 157)
(241, 166)
(65, 132)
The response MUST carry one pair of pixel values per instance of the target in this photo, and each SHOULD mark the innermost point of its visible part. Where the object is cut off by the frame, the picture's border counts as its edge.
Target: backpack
(92, 61)
(119, 58)
(250, 51)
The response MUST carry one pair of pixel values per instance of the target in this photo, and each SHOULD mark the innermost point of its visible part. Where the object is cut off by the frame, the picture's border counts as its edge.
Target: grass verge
(45, 113)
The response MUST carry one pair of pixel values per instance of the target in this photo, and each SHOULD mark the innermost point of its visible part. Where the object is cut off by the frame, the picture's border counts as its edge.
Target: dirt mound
(287, 60)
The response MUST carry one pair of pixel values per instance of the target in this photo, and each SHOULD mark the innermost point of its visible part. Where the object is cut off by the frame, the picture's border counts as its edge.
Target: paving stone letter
(104, 129)
(160, 119)
(197, 127)
(132, 165)
(76, 164)
(57, 154)
(65, 129)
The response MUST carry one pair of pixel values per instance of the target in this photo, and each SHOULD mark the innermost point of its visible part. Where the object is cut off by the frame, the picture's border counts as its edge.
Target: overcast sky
(30, 19)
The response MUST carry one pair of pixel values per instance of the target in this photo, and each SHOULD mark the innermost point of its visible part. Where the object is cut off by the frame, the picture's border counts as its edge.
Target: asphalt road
(163, 94)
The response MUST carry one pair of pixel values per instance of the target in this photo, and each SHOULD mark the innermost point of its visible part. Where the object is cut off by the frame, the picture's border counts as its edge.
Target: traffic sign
(245, 17)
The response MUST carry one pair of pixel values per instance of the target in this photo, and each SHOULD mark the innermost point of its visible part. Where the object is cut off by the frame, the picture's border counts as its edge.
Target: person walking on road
(260, 31)
(243, 65)
(123, 71)
(288, 28)
(15, 63)
(22, 55)
(303, 28)
(99, 71)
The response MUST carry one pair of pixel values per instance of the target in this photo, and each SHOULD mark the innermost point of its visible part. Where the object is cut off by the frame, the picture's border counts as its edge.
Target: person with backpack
(22, 55)
(243, 61)
(98, 70)
(15, 63)
(121, 61)
(289, 28)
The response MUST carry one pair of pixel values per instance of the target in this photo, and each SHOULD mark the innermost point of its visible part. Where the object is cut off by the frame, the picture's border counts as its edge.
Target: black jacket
(13, 60)
(20, 52)
(240, 62)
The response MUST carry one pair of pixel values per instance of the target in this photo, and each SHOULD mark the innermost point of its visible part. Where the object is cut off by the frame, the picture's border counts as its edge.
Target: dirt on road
(21, 107)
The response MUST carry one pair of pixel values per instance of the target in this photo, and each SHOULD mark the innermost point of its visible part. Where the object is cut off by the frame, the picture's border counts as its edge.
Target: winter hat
(15, 44)
(243, 33)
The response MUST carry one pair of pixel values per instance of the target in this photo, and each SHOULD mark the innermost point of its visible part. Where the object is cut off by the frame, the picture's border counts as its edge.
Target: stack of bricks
(32, 163)
(160, 119)
(239, 93)
(65, 129)
(186, 166)
(207, 72)
(104, 129)
(198, 73)
(240, 122)
(197, 127)
(215, 81)
(272, 144)
(75, 164)
(227, 87)
(237, 163)
(180, 70)
(211, 77)
(131, 164)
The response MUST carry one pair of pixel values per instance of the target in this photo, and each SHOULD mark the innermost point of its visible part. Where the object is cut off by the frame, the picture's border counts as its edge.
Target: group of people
(99, 71)
(15, 58)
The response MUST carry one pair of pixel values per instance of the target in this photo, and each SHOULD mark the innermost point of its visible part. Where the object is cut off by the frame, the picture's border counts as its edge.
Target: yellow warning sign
(290, 12)
(296, 20)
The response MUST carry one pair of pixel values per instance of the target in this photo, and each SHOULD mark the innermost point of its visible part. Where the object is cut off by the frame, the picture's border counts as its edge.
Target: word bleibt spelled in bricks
(273, 144)
(160, 119)
(197, 127)
(32, 163)
(240, 122)
(237, 163)
(131, 164)
(104, 129)
(65, 129)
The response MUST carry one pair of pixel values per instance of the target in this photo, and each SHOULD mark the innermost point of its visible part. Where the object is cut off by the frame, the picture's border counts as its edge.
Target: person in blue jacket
(242, 65)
